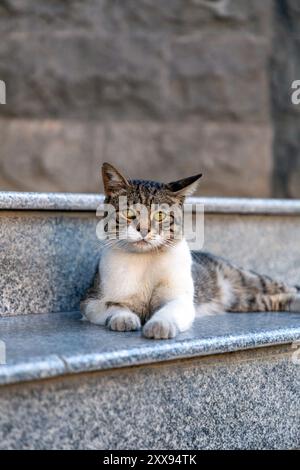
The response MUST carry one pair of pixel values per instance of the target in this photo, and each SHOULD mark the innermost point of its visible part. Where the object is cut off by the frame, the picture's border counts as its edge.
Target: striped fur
(154, 281)
(220, 286)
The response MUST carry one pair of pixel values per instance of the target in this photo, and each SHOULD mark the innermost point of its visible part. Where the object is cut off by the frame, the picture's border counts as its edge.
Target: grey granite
(266, 244)
(13, 200)
(215, 205)
(243, 400)
(40, 346)
(48, 258)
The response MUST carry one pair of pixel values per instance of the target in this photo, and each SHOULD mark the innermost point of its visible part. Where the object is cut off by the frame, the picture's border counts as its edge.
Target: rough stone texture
(152, 16)
(286, 69)
(160, 88)
(187, 16)
(209, 72)
(245, 400)
(50, 155)
(74, 68)
(84, 76)
(66, 156)
(49, 259)
(136, 76)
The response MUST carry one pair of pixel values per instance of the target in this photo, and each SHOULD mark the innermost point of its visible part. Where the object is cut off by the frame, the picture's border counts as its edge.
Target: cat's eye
(159, 216)
(129, 214)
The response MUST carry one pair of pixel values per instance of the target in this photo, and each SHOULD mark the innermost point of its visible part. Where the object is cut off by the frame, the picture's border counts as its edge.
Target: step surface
(49, 345)
(13, 200)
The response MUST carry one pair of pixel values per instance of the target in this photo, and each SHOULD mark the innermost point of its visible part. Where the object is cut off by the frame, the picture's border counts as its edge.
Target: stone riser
(245, 400)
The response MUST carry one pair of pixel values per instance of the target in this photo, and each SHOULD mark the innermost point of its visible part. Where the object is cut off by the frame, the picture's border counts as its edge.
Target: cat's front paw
(160, 329)
(124, 321)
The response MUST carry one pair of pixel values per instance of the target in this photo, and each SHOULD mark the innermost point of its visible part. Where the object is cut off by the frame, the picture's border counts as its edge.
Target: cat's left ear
(114, 182)
(185, 187)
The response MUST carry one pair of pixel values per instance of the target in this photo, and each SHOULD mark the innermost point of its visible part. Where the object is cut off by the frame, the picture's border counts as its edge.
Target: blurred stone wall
(161, 88)
(286, 116)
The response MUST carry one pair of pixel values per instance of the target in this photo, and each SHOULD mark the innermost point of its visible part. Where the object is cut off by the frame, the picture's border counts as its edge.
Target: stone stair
(230, 382)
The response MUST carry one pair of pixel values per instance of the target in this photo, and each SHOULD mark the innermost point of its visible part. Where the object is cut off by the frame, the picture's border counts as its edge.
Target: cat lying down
(147, 276)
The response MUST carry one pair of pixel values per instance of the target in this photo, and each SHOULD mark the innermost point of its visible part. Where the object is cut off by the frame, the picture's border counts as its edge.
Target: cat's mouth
(145, 245)
(141, 243)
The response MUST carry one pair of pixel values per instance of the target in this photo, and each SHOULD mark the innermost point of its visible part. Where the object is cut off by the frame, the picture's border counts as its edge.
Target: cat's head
(148, 214)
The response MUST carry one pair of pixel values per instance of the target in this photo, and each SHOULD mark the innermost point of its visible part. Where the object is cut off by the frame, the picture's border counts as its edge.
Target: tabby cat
(149, 278)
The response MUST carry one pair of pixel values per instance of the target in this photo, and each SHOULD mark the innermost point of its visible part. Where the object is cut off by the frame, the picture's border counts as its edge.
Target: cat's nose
(143, 230)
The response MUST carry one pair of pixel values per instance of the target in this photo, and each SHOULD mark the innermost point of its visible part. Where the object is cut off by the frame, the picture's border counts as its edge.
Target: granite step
(231, 382)
(56, 344)
(49, 250)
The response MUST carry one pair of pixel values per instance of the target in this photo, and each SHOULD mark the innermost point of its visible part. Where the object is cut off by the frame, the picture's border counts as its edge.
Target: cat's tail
(263, 294)
(254, 292)
(221, 286)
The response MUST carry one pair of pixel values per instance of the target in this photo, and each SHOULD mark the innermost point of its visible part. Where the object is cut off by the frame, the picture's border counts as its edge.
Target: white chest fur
(136, 285)
(124, 274)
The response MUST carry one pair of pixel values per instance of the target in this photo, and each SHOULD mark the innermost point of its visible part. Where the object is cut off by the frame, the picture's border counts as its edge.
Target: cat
(149, 279)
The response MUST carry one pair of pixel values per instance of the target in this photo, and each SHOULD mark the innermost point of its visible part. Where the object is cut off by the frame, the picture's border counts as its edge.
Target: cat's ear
(113, 181)
(185, 187)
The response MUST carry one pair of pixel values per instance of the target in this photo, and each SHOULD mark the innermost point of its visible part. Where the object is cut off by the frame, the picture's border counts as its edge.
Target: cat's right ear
(185, 187)
(113, 181)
